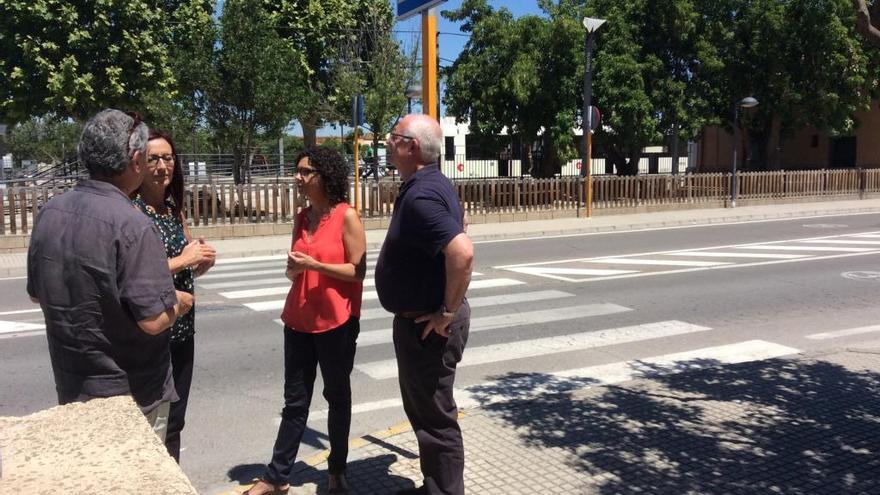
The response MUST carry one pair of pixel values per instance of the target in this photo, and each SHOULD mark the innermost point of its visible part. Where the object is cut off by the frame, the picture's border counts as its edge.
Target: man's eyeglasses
(398, 136)
(304, 172)
(153, 160)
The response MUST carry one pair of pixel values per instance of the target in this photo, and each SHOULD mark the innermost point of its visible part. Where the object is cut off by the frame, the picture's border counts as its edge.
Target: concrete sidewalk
(14, 264)
(803, 424)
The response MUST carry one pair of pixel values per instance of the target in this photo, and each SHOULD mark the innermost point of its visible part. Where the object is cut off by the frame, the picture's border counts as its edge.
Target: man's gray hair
(108, 142)
(430, 137)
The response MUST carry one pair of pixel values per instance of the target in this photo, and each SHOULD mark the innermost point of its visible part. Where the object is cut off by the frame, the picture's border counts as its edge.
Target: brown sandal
(274, 489)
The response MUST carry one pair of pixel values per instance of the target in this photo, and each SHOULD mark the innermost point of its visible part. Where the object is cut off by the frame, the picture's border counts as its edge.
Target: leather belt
(411, 315)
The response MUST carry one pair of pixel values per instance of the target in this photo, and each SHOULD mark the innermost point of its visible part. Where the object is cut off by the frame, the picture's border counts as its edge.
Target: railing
(277, 200)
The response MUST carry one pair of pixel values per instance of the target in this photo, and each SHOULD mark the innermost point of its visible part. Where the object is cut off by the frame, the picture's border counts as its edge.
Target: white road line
(381, 370)
(838, 241)
(844, 333)
(21, 312)
(242, 274)
(250, 259)
(776, 247)
(728, 254)
(657, 253)
(248, 293)
(510, 320)
(478, 302)
(540, 270)
(606, 374)
(12, 278)
(371, 255)
(17, 326)
(638, 261)
(869, 236)
(247, 283)
(372, 295)
(277, 264)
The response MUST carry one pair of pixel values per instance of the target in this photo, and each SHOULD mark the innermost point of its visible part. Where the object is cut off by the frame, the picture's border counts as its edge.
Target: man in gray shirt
(98, 269)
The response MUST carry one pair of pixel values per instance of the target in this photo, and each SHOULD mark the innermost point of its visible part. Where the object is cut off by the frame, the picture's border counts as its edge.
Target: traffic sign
(409, 8)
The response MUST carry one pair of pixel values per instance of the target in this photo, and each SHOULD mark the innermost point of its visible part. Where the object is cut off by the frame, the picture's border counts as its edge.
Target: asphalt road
(539, 305)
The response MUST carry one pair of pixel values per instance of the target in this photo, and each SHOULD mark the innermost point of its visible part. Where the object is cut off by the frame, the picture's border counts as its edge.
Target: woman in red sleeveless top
(327, 264)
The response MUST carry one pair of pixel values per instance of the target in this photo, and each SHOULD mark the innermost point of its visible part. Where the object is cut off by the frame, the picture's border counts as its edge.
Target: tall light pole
(747, 102)
(410, 93)
(592, 25)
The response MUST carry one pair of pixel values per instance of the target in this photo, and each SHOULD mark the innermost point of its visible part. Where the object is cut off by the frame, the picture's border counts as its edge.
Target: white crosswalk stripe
(707, 258)
(486, 393)
(844, 333)
(511, 320)
(550, 345)
(367, 296)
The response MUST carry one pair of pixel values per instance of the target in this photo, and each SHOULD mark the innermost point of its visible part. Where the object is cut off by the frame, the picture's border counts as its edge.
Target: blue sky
(450, 44)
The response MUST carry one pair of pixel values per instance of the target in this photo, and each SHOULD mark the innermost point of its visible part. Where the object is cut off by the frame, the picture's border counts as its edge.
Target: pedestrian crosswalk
(517, 322)
(709, 258)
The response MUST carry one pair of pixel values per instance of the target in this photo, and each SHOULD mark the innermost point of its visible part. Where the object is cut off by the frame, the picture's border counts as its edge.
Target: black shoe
(412, 491)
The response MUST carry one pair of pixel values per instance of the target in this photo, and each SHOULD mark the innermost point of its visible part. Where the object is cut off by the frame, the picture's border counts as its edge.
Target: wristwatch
(445, 311)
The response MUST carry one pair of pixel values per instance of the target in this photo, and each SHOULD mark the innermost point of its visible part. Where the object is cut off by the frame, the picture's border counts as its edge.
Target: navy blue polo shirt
(98, 266)
(411, 270)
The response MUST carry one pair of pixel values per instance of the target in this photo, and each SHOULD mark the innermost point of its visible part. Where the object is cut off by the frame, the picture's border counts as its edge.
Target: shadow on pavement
(783, 426)
(366, 476)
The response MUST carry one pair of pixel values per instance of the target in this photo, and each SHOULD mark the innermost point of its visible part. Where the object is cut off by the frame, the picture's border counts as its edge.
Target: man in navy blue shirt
(422, 276)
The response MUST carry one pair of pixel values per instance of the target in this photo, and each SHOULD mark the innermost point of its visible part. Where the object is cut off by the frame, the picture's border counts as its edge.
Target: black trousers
(182, 358)
(303, 352)
(426, 372)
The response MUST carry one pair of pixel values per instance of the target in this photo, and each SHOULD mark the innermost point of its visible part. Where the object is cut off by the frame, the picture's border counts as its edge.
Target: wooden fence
(277, 201)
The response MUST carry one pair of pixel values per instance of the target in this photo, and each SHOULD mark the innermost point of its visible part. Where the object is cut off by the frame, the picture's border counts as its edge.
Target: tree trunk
(867, 22)
(310, 132)
(550, 162)
(236, 164)
(674, 148)
(774, 140)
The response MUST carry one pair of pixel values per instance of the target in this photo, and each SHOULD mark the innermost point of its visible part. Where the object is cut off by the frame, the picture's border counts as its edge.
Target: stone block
(103, 445)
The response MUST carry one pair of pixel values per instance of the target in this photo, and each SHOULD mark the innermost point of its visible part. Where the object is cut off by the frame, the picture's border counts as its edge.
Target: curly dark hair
(333, 170)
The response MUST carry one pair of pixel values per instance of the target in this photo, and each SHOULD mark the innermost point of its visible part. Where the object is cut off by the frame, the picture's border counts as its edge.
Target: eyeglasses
(398, 136)
(153, 160)
(304, 172)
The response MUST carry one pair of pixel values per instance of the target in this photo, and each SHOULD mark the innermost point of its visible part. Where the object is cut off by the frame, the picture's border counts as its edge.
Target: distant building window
(814, 142)
(450, 148)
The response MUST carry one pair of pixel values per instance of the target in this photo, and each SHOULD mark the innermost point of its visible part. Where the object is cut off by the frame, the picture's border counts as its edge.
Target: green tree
(517, 74)
(387, 70)
(254, 87)
(46, 139)
(655, 76)
(72, 58)
(868, 20)
(804, 61)
(323, 33)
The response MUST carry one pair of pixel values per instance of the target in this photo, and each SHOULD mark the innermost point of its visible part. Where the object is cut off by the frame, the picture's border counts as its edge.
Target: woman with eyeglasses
(160, 197)
(326, 264)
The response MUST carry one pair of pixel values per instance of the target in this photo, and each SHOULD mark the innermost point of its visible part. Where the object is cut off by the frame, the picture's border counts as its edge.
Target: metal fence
(277, 200)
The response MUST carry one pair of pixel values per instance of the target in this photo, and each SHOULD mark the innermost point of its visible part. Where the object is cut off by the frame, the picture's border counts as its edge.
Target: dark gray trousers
(426, 372)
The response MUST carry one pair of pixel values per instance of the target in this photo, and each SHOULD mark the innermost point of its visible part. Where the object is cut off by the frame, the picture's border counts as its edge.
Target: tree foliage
(46, 139)
(322, 33)
(254, 83)
(73, 57)
(804, 62)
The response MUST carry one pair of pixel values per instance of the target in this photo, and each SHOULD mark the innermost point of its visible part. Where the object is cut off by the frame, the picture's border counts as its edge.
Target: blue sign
(409, 8)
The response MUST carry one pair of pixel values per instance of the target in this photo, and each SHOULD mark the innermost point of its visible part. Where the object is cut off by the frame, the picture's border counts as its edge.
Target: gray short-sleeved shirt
(97, 266)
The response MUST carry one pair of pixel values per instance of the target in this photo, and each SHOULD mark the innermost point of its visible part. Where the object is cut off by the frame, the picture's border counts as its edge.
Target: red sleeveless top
(317, 303)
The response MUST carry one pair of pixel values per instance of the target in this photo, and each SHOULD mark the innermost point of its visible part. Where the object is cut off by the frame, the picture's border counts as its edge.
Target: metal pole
(735, 149)
(587, 118)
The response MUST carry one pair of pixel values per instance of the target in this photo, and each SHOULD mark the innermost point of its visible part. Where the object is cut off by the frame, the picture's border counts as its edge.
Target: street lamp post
(410, 93)
(592, 25)
(747, 102)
